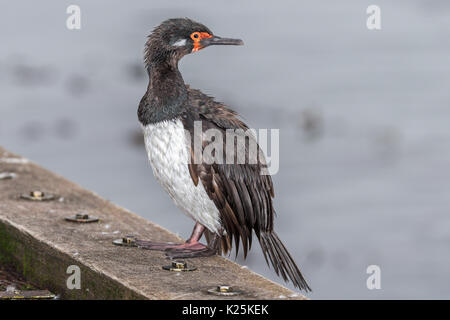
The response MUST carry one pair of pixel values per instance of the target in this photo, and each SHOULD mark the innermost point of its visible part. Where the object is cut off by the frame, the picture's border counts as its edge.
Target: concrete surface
(37, 241)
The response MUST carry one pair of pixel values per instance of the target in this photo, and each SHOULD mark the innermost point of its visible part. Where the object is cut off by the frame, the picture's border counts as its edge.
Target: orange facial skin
(197, 37)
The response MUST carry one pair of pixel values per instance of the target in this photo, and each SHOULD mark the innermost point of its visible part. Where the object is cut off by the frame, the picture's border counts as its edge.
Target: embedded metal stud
(27, 295)
(179, 266)
(37, 196)
(224, 290)
(7, 175)
(82, 218)
(127, 241)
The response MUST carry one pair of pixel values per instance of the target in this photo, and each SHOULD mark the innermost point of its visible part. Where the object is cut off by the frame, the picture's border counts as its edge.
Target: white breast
(168, 154)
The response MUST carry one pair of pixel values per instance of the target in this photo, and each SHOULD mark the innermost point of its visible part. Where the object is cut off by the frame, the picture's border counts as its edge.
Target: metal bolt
(224, 290)
(7, 175)
(127, 241)
(37, 196)
(82, 218)
(179, 266)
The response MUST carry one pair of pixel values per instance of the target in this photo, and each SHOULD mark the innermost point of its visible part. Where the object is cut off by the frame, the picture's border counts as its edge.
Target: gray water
(363, 116)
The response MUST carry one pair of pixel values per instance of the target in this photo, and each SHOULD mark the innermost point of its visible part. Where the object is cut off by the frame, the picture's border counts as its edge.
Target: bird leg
(190, 249)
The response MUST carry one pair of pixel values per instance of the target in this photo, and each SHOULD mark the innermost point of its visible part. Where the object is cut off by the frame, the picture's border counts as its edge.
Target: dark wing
(240, 192)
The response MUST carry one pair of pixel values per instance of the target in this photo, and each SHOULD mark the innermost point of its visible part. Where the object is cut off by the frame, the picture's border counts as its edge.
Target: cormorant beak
(215, 40)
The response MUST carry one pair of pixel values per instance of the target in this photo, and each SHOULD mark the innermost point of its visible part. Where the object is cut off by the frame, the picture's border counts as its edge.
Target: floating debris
(312, 123)
(27, 75)
(77, 85)
(65, 128)
(33, 131)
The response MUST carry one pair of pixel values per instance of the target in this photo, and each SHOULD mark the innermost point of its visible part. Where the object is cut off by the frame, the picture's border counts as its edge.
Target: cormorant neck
(166, 93)
(164, 72)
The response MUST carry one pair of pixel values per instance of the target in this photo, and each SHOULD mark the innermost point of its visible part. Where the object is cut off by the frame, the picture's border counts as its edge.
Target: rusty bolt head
(224, 290)
(127, 241)
(179, 266)
(82, 216)
(37, 195)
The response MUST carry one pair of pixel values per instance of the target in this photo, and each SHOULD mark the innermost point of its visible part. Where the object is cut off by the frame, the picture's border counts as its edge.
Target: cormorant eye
(195, 36)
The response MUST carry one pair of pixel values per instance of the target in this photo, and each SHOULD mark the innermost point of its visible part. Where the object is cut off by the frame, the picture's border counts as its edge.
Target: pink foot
(191, 250)
(191, 246)
(161, 246)
(164, 246)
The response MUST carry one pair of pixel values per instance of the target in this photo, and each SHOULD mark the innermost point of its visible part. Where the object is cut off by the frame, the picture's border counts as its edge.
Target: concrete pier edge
(37, 241)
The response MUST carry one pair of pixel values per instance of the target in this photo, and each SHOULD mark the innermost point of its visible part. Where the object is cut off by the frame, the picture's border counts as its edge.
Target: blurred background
(363, 116)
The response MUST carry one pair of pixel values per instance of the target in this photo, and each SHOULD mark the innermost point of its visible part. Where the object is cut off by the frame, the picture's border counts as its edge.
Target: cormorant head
(174, 38)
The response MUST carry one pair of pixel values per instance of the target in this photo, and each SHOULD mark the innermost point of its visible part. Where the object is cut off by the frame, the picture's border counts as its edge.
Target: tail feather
(282, 262)
(223, 244)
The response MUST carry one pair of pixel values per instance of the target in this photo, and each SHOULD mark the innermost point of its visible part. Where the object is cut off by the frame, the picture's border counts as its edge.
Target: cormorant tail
(275, 251)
